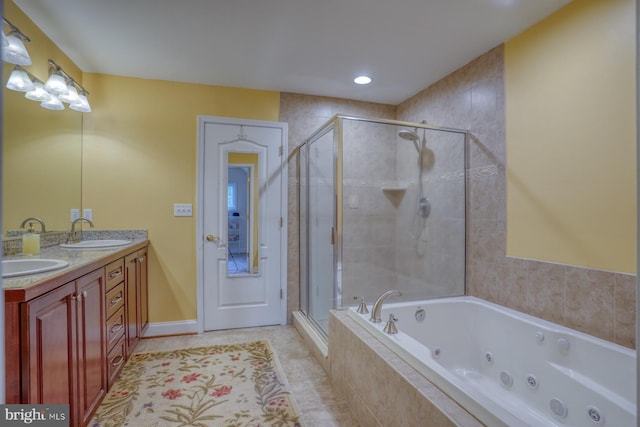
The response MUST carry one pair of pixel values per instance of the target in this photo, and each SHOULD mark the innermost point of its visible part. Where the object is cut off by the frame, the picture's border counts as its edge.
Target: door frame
(200, 238)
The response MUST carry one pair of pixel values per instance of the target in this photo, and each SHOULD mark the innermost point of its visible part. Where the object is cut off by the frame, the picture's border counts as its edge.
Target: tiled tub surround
(380, 388)
(508, 368)
(13, 244)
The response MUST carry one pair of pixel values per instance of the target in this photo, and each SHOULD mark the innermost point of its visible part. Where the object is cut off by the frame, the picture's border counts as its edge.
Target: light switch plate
(75, 214)
(182, 209)
(87, 214)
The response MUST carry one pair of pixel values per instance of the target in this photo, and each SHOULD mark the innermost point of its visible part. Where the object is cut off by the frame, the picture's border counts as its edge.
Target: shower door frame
(335, 126)
(336, 123)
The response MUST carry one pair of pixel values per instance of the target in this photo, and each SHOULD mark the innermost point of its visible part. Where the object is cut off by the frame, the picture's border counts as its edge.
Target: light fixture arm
(15, 30)
(55, 68)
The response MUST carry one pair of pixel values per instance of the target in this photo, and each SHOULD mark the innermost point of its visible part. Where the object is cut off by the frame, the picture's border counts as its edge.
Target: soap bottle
(30, 242)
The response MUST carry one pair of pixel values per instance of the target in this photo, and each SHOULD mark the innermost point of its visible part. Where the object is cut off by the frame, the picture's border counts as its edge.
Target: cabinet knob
(212, 238)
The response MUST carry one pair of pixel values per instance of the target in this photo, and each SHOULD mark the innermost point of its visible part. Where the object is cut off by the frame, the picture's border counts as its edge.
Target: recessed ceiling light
(362, 80)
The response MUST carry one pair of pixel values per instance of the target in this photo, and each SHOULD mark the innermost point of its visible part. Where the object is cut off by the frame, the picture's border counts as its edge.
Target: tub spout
(377, 306)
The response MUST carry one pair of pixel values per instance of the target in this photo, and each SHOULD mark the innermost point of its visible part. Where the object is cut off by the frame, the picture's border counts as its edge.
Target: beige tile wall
(596, 302)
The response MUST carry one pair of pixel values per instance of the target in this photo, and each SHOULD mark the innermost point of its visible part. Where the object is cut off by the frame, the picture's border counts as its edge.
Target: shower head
(410, 135)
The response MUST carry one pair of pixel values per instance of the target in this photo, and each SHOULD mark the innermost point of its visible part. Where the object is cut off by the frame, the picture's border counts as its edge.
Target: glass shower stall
(382, 206)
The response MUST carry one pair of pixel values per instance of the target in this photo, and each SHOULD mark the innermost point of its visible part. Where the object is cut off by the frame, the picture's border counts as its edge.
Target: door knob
(212, 238)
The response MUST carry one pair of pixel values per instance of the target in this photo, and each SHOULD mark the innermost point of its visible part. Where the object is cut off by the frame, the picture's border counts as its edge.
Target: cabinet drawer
(115, 299)
(115, 361)
(114, 273)
(115, 328)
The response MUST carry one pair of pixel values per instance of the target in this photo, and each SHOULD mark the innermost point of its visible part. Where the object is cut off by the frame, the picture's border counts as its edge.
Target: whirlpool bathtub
(508, 368)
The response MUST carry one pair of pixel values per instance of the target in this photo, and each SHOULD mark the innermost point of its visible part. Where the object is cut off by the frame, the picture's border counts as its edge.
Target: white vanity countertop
(75, 257)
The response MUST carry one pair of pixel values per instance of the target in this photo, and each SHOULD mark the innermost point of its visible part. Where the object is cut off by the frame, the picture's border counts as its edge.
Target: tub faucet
(73, 227)
(377, 306)
(36, 220)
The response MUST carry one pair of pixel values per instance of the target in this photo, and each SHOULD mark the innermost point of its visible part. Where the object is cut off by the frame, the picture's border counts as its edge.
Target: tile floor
(309, 385)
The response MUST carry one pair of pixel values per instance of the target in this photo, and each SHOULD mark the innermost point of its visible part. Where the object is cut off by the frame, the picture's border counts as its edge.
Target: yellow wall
(570, 137)
(41, 148)
(139, 158)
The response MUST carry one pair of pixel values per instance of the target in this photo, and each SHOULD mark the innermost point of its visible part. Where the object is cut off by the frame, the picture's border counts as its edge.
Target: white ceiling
(303, 46)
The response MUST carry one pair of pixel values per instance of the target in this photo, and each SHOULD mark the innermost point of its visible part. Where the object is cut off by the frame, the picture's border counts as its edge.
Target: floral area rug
(235, 385)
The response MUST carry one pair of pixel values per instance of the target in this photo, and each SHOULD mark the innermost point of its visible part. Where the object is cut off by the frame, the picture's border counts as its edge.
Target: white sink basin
(21, 267)
(95, 244)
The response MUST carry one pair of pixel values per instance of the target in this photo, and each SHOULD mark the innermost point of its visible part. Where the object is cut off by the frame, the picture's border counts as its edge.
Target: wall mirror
(42, 156)
(242, 214)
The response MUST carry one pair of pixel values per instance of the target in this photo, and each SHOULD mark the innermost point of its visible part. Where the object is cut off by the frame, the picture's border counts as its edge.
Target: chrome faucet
(73, 227)
(44, 230)
(377, 306)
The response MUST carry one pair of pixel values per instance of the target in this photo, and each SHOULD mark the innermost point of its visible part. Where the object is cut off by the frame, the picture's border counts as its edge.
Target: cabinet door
(48, 343)
(131, 290)
(92, 353)
(143, 294)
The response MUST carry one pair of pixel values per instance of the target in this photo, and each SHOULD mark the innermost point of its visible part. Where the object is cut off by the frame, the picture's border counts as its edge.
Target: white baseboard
(171, 328)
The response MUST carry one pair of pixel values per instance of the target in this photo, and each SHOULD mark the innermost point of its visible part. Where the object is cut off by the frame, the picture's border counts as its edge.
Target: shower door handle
(332, 238)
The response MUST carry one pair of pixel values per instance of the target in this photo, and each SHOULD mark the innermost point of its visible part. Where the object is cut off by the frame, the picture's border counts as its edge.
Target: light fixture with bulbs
(60, 87)
(13, 48)
(67, 88)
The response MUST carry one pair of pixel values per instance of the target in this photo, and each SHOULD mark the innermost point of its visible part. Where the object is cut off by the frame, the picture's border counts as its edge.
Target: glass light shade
(15, 52)
(38, 93)
(71, 96)
(52, 103)
(82, 105)
(56, 84)
(19, 80)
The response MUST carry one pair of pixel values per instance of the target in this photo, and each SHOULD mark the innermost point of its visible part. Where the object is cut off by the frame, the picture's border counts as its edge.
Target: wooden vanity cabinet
(64, 347)
(66, 338)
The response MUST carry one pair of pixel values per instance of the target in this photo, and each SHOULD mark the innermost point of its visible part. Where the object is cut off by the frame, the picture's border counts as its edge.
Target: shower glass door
(320, 217)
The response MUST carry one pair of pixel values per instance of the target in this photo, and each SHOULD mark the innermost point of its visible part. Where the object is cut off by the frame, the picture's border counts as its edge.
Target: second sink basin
(22, 267)
(95, 244)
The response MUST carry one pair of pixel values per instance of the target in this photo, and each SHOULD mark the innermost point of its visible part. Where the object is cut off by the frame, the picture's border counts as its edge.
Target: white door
(242, 288)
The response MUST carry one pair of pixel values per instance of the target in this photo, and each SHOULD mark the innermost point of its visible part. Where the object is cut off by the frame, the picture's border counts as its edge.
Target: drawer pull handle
(116, 328)
(117, 361)
(115, 274)
(116, 300)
